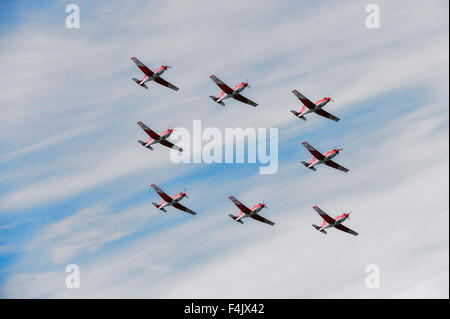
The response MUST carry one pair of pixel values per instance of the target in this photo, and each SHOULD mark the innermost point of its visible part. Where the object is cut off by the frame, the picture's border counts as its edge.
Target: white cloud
(397, 186)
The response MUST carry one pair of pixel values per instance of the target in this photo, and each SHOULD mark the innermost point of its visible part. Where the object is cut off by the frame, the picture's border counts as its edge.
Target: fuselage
(157, 73)
(236, 90)
(339, 220)
(328, 156)
(255, 209)
(319, 104)
(162, 136)
(175, 199)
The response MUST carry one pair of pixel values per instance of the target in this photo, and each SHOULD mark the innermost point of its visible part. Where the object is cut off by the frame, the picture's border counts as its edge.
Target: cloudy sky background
(74, 183)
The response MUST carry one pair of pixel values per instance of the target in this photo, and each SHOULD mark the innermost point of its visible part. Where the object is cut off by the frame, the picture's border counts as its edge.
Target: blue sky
(74, 185)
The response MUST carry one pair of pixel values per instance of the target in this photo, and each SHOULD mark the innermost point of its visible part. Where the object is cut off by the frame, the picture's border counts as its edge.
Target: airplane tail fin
(234, 217)
(318, 228)
(297, 115)
(157, 206)
(143, 144)
(137, 82)
(307, 165)
(215, 100)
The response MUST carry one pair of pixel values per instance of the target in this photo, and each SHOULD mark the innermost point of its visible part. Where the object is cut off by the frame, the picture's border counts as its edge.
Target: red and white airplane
(310, 107)
(249, 212)
(228, 92)
(319, 158)
(171, 201)
(336, 222)
(155, 138)
(152, 75)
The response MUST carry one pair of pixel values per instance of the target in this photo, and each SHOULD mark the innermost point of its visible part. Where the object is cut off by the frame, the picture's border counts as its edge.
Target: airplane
(319, 158)
(152, 75)
(336, 222)
(155, 138)
(171, 201)
(249, 212)
(313, 107)
(228, 92)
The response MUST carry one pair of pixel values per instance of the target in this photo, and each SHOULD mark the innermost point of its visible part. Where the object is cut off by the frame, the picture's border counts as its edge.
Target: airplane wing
(313, 151)
(141, 66)
(335, 165)
(222, 85)
(244, 100)
(304, 100)
(163, 195)
(262, 219)
(147, 130)
(183, 208)
(327, 115)
(161, 81)
(325, 216)
(171, 145)
(346, 229)
(241, 206)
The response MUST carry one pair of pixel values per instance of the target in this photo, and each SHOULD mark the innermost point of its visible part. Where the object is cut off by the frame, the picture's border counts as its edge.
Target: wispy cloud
(77, 112)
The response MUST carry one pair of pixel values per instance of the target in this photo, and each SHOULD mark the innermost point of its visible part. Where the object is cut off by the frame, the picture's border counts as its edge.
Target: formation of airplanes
(227, 92)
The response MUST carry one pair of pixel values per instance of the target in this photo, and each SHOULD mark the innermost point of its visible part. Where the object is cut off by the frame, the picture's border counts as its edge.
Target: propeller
(248, 85)
(338, 149)
(264, 203)
(185, 194)
(164, 65)
(330, 98)
(349, 215)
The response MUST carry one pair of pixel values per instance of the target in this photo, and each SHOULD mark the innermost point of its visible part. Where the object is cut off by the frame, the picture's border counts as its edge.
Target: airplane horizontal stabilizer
(297, 115)
(143, 144)
(234, 217)
(157, 206)
(318, 228)
(137, 82)
(215, 100)
(307, 164)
